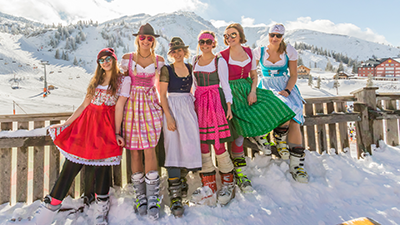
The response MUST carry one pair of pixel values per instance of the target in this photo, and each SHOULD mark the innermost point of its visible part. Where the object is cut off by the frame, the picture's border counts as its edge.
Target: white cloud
(61, 11)
(328, 26)
(220, 23)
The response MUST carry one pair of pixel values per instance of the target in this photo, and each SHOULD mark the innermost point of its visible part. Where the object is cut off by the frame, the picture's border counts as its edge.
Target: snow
(341, 188)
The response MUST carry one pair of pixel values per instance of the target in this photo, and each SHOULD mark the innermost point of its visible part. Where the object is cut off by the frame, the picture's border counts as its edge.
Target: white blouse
(101, 95)
(291, 52)
(245, 62)
(223, 74)
(148, 69)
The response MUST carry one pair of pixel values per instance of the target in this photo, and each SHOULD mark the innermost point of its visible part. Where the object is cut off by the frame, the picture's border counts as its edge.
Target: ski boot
(205, 195)
(227, 192)
(185, 187)
(44, 215)
(153, 193)
(102, 206)
(262, 143)
(280, 135)
(139, 193)
(241, 179)
(175, 195)
(297, 157)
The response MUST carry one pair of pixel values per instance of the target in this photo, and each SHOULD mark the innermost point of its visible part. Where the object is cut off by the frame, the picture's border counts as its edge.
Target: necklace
(143, 56)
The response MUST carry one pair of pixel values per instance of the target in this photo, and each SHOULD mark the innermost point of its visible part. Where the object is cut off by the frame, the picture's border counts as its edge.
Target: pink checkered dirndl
(143, 113)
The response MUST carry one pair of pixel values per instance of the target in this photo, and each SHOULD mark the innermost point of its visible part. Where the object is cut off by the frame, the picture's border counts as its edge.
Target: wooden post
(343, 129)
(364, 136)
(22, 174)
(321, 131)
(38, 167)
(5, 175)
(310, 129)
(332, 128)
(392, 129)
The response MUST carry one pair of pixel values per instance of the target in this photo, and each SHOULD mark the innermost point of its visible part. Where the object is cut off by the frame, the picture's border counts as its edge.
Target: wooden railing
(29, 165)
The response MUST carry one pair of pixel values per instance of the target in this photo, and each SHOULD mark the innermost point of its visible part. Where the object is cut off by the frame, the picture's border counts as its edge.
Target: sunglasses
(208, 42)
(107, 59)
(275, 35)
(149, 38)
(232, 35)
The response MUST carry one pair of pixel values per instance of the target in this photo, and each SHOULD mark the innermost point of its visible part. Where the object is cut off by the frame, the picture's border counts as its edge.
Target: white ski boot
(262, 143)
(153, 193)
(280, 135)
(297, 158)
(102, 206)
(44, 215)
(227, 192)
(139, 193)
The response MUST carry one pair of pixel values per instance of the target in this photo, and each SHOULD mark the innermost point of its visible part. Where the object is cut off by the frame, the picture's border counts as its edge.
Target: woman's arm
(76, 114)
(163, 98)
(119, 113)
(252, 97)
(292, 80)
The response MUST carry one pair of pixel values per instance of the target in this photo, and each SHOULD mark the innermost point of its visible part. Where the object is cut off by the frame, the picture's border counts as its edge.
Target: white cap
(277, 28)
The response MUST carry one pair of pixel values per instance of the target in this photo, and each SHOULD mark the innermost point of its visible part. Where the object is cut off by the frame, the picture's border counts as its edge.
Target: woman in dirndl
(89, 137)
(143, 120)
(255, 111)
(181, 128)
(213, 107)
(279, 68)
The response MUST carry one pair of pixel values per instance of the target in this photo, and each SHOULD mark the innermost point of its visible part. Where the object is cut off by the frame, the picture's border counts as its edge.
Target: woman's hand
(120, 140)
(252, 97)
(229, 114)
(284, 93)
(171, 123)
(55, 126)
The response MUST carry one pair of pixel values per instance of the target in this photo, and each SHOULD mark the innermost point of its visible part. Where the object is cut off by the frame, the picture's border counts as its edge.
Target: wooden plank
(34, 117)
(331, 118)
(117, 175)
(6, 125)
(5, 175)
(332, 129)
(22, 174)
(321, 131)
(23, 125)
(25, 141)
(38, 172)
(54, 165)
(343, 129)
(349, 98)
(310, 129)
(38, 124)
(128, 166)
(392, 130)
(364, 136)
(387, 96)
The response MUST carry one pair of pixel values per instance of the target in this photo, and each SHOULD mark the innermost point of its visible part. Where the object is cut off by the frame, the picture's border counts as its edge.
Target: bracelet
(288, 91)
(117, 134)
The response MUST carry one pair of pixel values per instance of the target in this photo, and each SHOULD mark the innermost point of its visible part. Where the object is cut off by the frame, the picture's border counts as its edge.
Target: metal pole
(44, 63)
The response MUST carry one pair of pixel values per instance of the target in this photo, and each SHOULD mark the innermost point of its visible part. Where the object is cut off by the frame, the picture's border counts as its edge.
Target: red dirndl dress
(90, 139)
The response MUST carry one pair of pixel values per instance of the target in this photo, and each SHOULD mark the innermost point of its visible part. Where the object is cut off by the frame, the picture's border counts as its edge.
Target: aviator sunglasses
(232, 35)
(107, 59)
(149, 38)
(208, 42)
(275, 35)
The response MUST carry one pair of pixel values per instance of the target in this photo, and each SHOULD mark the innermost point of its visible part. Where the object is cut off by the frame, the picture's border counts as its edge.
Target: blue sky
(371, 20)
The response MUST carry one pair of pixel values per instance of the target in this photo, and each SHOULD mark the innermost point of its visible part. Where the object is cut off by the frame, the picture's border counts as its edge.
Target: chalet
(342, 75)
(380, 68)
(303, 72)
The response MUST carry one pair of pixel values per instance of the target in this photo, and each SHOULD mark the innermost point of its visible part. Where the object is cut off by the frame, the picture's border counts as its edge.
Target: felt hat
(176, 43)
(146, 29)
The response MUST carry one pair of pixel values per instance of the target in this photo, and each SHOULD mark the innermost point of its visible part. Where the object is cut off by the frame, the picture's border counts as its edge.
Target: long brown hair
(282, 47)
(98, 79)
(240, 29)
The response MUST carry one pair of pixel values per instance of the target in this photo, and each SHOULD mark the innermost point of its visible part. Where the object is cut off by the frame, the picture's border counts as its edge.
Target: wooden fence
(29, 166)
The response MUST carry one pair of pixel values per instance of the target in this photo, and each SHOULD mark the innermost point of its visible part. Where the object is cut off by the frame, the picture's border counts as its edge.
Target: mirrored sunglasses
(149, 38)
(208, 42)
(107, 59)
(232, 35)
(275, 35)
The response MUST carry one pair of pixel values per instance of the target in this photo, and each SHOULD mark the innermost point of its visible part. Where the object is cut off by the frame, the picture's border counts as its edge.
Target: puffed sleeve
(257, 53)
(253, 62)
(164, 75)
(291, 52)
(160, 65)
(125, 89)
(123, 66)
(223, 74)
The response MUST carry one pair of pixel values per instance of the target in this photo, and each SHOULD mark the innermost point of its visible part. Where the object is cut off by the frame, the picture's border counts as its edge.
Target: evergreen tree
(300, 61)
(310, 80)
(318, 82)
(57, 56)
(315, 64)
(66, 57)
(336, 83)
(370, 82)
(340, 67)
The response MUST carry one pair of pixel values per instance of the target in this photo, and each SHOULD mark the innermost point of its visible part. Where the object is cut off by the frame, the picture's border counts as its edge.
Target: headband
(206, 36)
(278, 28)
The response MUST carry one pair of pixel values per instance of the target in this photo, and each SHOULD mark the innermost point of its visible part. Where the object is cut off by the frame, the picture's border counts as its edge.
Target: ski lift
(70, 77)
(77, 76)
(15, 84)
(51, 72)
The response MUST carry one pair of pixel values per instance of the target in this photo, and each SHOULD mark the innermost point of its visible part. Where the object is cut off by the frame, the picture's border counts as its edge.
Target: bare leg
(151, 159)
(294, 135)
(136, 161)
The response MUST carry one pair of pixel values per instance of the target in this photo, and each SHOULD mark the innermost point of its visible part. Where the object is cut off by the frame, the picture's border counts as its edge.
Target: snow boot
(153, 195)
(139, 193)
(185, 187)
(175, 196)
(227, 192)
(102, 206)
(44, 215)
(262, 143)
(242, 181)
(206, 195)
(280, 134)
(297, 157)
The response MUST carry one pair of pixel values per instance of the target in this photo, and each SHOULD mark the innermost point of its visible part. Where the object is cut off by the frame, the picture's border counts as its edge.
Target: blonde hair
(152, 51)
(98, 79)
(206, 32)
(239, 28)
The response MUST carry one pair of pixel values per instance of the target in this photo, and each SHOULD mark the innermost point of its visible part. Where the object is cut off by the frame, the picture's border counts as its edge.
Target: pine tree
(300, 61)
(75, 61)
(63, 55)
(66, 57)
(57, 56)
(370, 82)
(340, 69)
(336, 83)
(310, 80)
(328, 66)
(318, 82)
